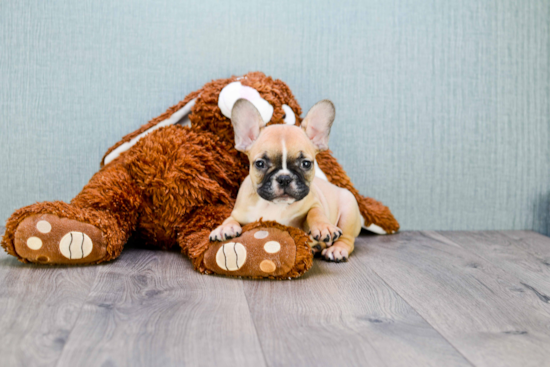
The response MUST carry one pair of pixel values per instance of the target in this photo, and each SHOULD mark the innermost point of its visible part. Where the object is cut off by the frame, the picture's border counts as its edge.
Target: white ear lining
(318, 173)
(180, 115)
(234, 91)
(290, 118)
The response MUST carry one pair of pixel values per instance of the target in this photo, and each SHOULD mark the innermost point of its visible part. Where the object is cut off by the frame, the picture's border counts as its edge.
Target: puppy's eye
(306, 164)
(260, 164)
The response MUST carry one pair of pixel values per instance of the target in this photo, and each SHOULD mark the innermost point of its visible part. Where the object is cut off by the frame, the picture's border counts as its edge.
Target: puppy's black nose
(284, 180)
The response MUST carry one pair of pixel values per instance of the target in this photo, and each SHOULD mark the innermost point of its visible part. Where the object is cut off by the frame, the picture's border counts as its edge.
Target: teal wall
(443, 107)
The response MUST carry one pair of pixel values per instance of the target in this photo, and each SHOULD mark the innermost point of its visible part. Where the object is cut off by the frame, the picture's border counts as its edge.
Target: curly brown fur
(180, 173)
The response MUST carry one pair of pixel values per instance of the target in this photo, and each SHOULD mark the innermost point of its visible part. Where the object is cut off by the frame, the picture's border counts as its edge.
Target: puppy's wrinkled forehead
(279, 140)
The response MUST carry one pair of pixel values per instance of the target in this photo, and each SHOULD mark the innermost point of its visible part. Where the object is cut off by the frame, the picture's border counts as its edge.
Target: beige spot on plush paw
(272, 247)
(44, 226)
(231, 256)
(261, 234)
(268, 266)
(34, 243)
(75, 245)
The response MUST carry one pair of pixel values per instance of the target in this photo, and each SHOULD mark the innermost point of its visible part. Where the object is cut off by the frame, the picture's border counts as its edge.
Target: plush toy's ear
(233, 91)
(246, 121)
(318, 122)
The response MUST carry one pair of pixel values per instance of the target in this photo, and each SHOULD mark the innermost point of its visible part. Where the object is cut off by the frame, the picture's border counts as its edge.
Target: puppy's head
(282, 156)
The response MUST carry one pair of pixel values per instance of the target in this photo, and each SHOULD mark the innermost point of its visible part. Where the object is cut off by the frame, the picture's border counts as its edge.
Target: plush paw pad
(75, 245)
(48, 239)
(231, 256)
(256, 253)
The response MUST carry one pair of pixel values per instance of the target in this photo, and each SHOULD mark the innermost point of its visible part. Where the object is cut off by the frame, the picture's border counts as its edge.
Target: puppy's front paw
(325, 232)
(337, 253)
(225, 232)
(317, 248)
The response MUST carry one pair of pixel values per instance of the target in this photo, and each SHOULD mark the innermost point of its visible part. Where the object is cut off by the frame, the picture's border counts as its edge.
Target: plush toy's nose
(284, 180)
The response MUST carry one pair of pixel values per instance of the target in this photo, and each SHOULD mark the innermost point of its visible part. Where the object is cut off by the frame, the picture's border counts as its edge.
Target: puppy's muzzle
(284, 180)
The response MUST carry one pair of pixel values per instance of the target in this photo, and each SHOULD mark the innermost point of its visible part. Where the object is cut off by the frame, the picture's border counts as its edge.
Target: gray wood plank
(39, 306)
(478, 307)
(532, 242)
(150, 308)
(343, 314)
(511, 255)
(427, 298)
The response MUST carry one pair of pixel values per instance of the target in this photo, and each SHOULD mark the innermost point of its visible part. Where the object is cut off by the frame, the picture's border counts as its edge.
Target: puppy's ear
(318, 122)
(246, 121)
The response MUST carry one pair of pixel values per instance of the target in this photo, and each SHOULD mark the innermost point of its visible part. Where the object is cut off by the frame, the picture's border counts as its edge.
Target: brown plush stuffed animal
(172, 182)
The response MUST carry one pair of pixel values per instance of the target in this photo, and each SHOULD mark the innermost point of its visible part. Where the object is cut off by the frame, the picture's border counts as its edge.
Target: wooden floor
(411, 299)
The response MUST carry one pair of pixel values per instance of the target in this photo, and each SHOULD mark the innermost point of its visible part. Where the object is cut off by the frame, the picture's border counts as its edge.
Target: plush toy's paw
(338, 252)
(265, 251)
(225, 232)
(49, 239)
(325, 232)
(257, 253)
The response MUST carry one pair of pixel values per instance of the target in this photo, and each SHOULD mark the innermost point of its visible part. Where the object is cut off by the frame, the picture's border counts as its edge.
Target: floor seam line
(254, 324)
(423, 318)
(77, 317)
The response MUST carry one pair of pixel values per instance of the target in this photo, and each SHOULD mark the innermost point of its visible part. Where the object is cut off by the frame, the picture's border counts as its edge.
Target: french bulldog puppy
(282, 186)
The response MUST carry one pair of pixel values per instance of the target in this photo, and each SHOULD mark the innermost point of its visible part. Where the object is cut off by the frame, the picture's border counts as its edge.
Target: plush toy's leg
(263, 250)
(91, 229)
(377, 217)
